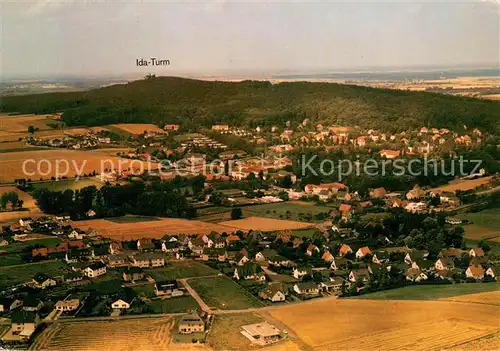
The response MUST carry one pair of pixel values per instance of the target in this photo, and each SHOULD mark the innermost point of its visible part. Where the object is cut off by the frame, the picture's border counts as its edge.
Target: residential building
(95, 270)
(261, 333)
(191, 323)
(67, 305)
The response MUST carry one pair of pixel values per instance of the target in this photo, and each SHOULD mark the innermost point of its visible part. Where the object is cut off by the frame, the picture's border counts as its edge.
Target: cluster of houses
(88, 140)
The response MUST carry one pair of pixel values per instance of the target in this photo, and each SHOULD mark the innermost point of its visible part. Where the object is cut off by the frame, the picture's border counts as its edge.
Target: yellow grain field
(463, 184)
(388, 325)
(152, 334)
(265, 224)
(138, 128)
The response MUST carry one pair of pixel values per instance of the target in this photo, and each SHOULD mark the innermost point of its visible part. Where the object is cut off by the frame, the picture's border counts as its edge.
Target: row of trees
(10, 198)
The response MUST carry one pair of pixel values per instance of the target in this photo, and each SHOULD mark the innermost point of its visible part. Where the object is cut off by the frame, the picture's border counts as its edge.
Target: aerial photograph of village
(240, 175)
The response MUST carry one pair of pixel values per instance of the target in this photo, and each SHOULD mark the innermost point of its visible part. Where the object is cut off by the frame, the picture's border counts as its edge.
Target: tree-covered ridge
(201, 103)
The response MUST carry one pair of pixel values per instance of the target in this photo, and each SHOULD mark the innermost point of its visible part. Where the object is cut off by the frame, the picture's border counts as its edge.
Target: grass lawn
(147, 290)
(131, 219)
(10, 259)
(60, 185)
(109, 283)
(175, 270)
(281, 208)
(484, 224)
(20, 246)
(222, 292)
(430, 292)
(174, 305)
(225, 331)
(308, 233)
(22, 274)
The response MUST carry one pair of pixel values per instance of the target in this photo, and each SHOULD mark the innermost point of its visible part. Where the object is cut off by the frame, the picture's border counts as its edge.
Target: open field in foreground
(492, 298)
(138, 128)
(224, 293)
(484, 224)
(431, 292)
(388, 325)
(463, 184)
(149, 229)
(265, 224)
(43, 164)
(152, 334)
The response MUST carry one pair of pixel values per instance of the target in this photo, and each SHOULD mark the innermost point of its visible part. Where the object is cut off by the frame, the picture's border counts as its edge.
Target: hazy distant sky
(85, 37)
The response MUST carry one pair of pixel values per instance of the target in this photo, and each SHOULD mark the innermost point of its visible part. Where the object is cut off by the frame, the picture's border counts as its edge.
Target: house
(24, 323)
(380, 257)
(42, 281)
(145, 244)
(475, 271)
(415, 255)
(214, 254)
(415, 275)
(67, 305)
(115, 247)
(120, 304)
(7, 304)
(363, 251)
(389, 154)
(423, 265)
(416, 193)
(444, 274)
(150, 259)
(453, 220)
(3, 242)
(377, 193)
(264, 255)
(476, 252)
(307, 289)
(240, 259)
(451, 253)
(311, 249)
(191, 323)
(280, 261)
(90, 213)
(32, 303)
(168, 288)
(73, 277)
(76, 234)
(274, 293)
(261, 333)
(95, 270)
(334, 284)
(361, 274)
(219, 243)
(444, 263)
(249, 271)
(327, 256)
(119, 260)
(338, 263)
(346, 211)
(232, 239)
(344, 250)
(493, 271)
(132, 274)
(333, 188)
(172, 127)
(298, 273)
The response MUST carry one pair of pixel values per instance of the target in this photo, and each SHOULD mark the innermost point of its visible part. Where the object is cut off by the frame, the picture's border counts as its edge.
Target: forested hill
(201, 103)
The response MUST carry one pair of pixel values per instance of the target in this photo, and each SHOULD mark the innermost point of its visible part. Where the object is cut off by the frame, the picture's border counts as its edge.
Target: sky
(92, 37)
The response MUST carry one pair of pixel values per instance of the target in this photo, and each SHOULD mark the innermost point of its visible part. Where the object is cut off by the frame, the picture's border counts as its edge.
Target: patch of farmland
(387, 325)
(73, 184)
(225, 332)
(25, 273)
(43, 164)
(265, 224)
(489, 298)
(484, 224)
(150, 229)
(285, 210)
(138, 128)
(20, 123)
(28, 201)
(152, 334)
(463, 184)
(224, 293)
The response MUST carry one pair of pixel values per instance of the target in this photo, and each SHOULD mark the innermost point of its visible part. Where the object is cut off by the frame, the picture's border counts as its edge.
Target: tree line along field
(388, 325)
(222, 292)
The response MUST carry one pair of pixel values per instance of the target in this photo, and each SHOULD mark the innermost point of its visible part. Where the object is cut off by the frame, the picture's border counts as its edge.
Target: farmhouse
(261, 333)
(444, 263)
(415, 275)
(120, 304)
(363, 251)
(475, 272)
(42, 281)
(67, 305)
(308, 289)
(273, 293)
(95, 270)
(24, 323)
(191, 323)
(168, 288)
(362, 274)
(476, 252)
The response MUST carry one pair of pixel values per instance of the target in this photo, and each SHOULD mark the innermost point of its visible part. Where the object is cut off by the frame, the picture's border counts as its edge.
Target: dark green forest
(195, 103)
